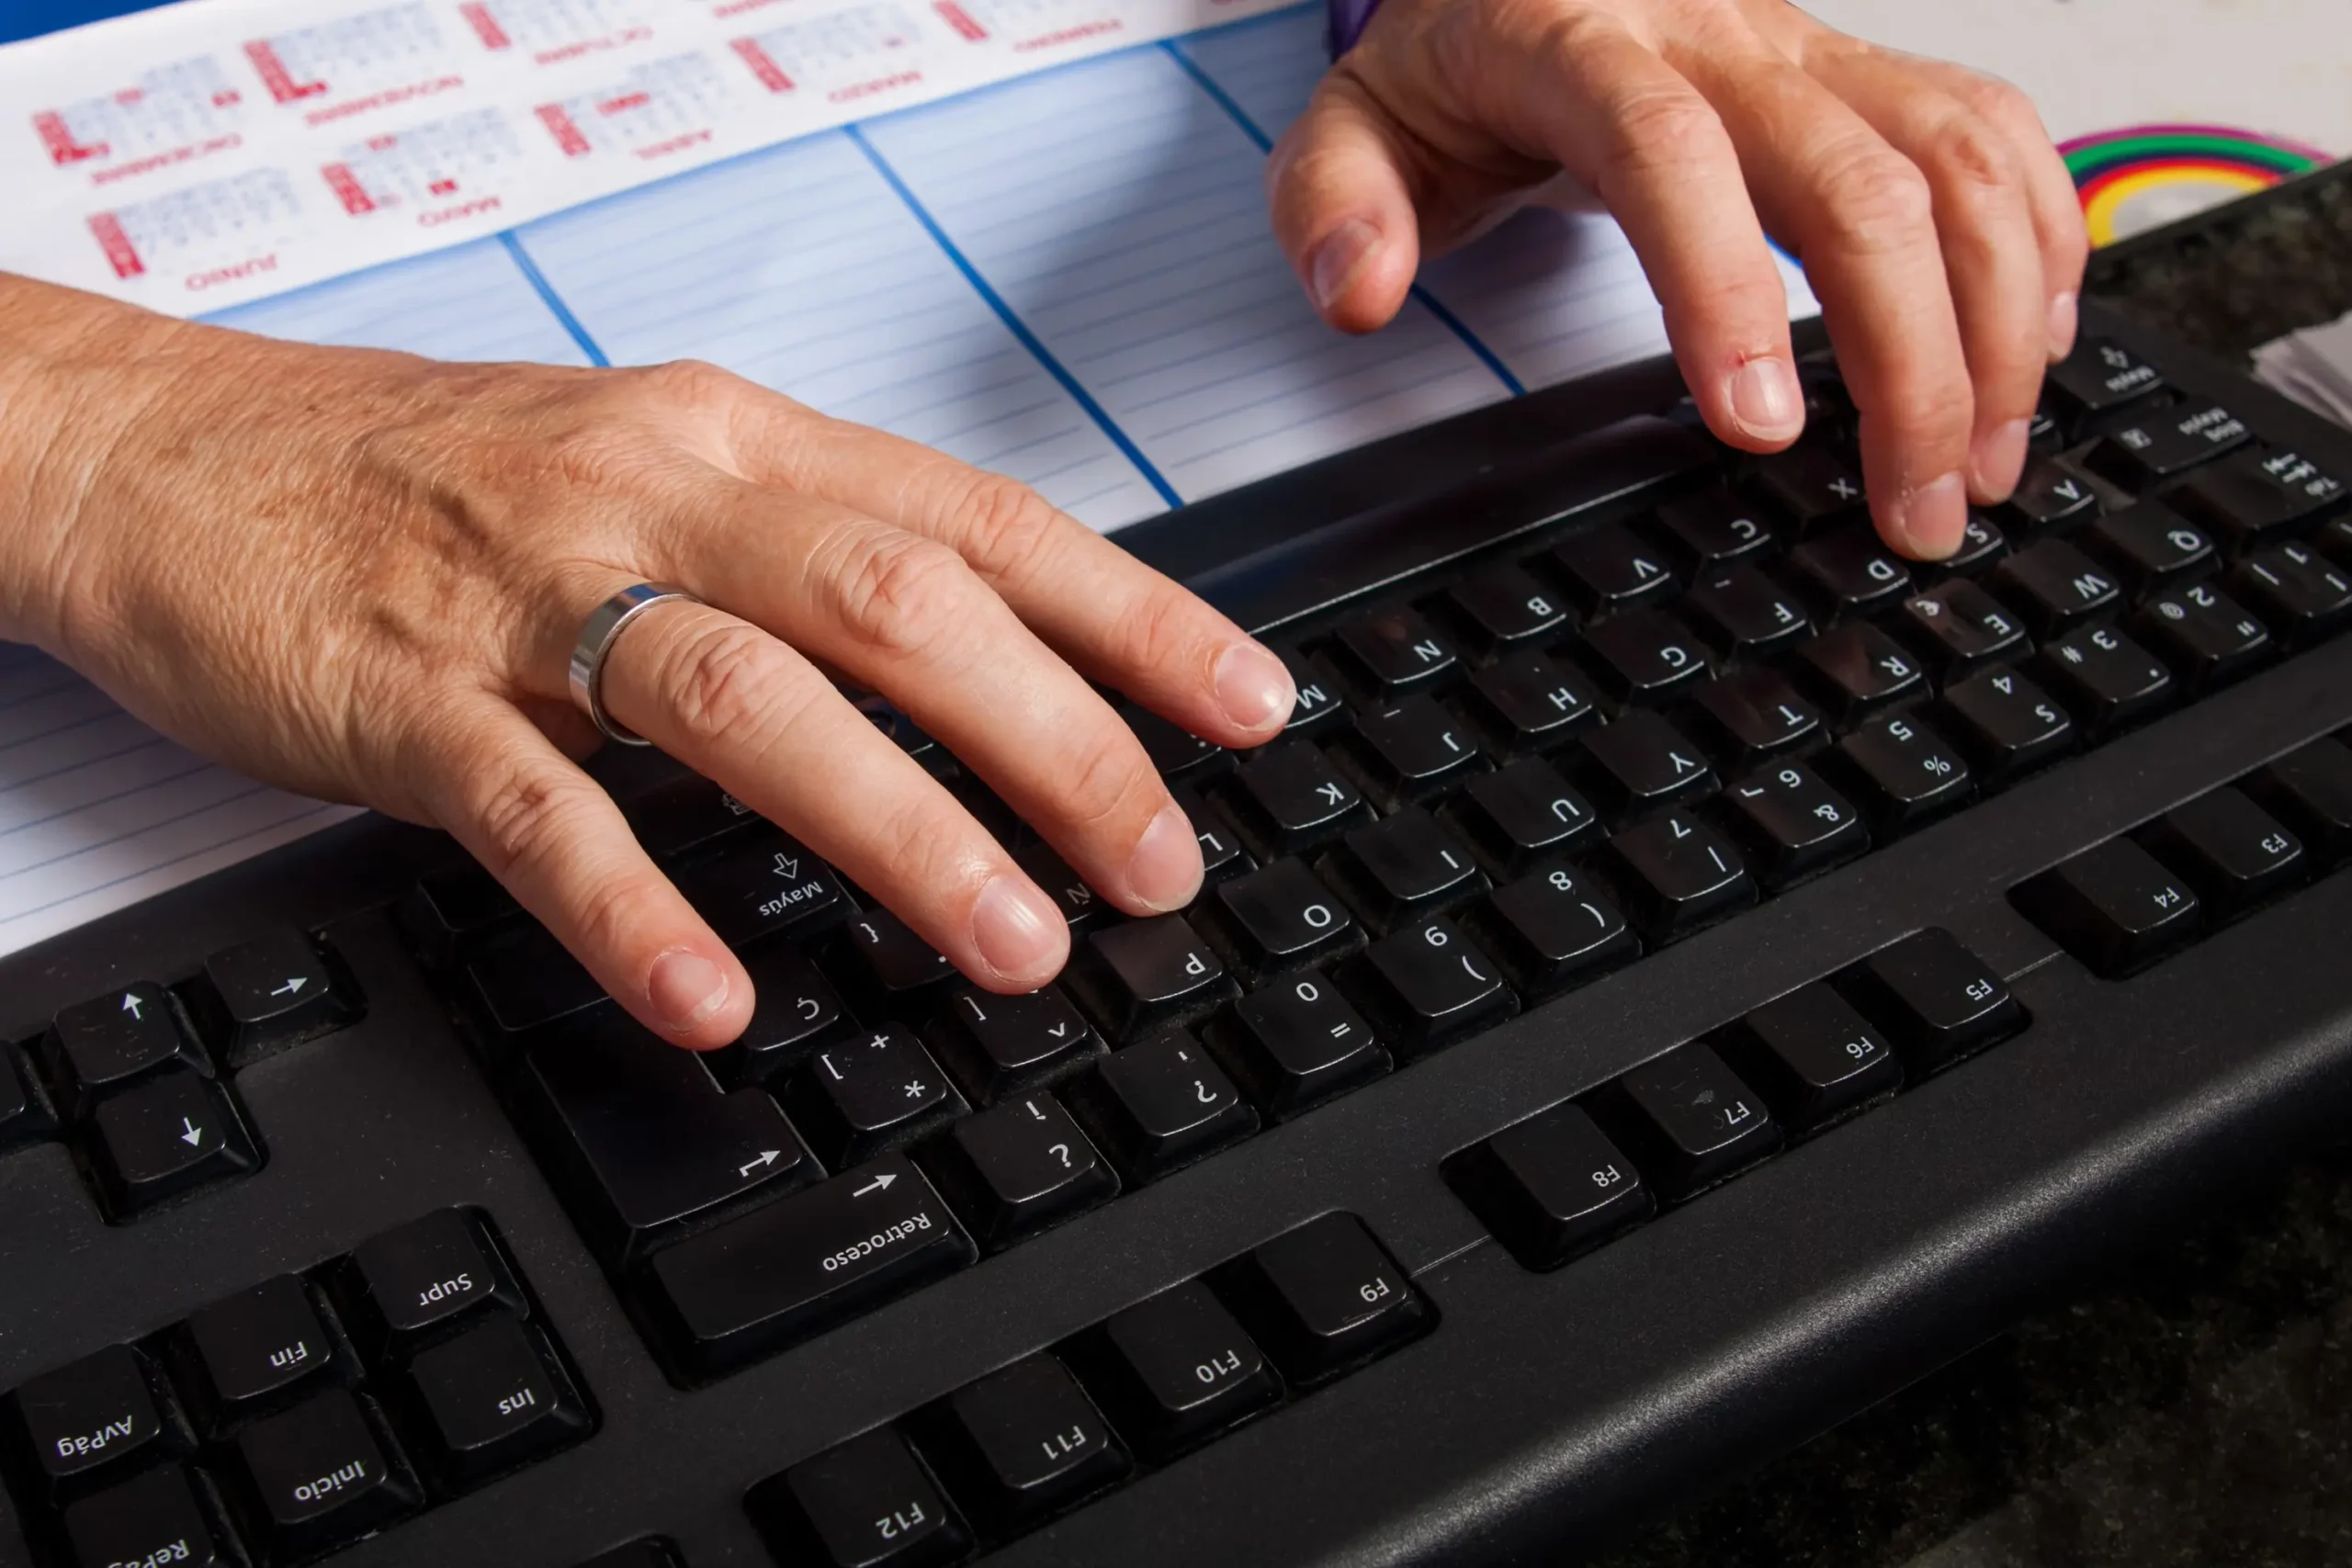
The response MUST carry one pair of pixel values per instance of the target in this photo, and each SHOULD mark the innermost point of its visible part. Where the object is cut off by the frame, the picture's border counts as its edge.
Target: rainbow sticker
(2132, 180)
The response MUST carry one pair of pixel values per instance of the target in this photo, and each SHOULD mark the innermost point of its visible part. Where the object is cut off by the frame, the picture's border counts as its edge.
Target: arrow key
(163, 1137)
(95, 1048)
(263, 996)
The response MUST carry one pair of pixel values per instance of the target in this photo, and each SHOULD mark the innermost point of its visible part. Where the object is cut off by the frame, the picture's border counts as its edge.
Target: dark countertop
(2197, 1408)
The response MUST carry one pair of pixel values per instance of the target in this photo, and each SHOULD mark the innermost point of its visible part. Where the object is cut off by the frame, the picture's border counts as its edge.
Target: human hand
(359, 575)
(1934, 218)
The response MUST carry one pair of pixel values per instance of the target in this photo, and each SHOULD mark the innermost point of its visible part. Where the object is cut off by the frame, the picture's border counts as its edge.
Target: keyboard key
(1790, 824)
(268, 994)
(2305, 598)
(1903, 773)
(879, 1091)
(1221, 853)
(687, 815)
(1020, 1443)
(2150, 546)
(165, 1138)
(1316, 703)
(249, 1350)
(1161, 1105)
(525, 984)
(1689, 1121)
(94, 1419)
(1934, 999)
(1149, 975)
(795, 1009)
(1402, 868)
(999, 1046)
(23, 1116)
(1750, 714)
(2310, 791)
(2254, 498)
(642, 1138)
(1081, 905)
(1814, 1058)
(1289, 797)
(1610, 568)
(1676, 874)
(1849, 572)
(1981, 545)
(1295, 1044)
(2005, 723)
(1175, 1370)
(1552, 931)
(1015, 1168)
(906, 734)
(2114, 907)
(322, 1474)
(1324, 1298)
(1713, 528)
(492, 1398)
(1524, 814)
(1642, 764)
(1415, 750)
(1280, 918)
(109, 1042)
(2049, 493)
(1530, 702)
(864, 1504)
(2053, 586)
(1745, 615)
(1551, 1188)
(152, 1518)
(1392, 652)
(891, 970)
(1425, 987)
(2099, 377)
(2234, 853)
(772, 1277)
(1960, 628)
(2206, 637)
(1645, 656)
(1502, 606)
(422, 1275)
(1857, 670)
(2158, 444)
(1811, 486)
(2109, 680)
(1175, 752)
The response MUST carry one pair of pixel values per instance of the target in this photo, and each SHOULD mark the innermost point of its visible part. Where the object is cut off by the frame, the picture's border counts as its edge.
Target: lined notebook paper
(1068, 278)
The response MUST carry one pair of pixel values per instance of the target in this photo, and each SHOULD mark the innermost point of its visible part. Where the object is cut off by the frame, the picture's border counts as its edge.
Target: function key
(778, 1274)
(1393, 652)
(865, 1504)
(1749, 715)
(425, 1273)
(686, 815)
(2234, 853)
(322, 1474)
(1415, 750)
(1502, 606)
(2204, 635)
(2304, 597)
(1221, 853)
(111, 1042)
(894, 972)
(1641, 765)
(1149, 975)
(1522, 815)
(1158, 1106)
(1815, 1058)
(23, 1116)
(1857, 668)
(2115, 906)
(1713, 528)
(1676, 874)
(1747, 614)
(1427, 985)
(2150, 546)
(164, 1137)
(270, 993)
(1289, 797)
(2254, 497)
(2005, 723)
(1849, 572)
(1295, 1044)
(1280, 917)
(2049, 494)
(1645, 656)
(795, 1010)
(1959, 627)
(492, 1398)
(2159, 444)
(1324, 1298)
(997, 1045)
(1551, 1188)
(154, 1518)
(1530, 702)
(1791, 823)
(1402, 868)
(247, 1352)
(1901, 772)
(1811, 486)
(1552, 931)
(93, 1419)
(1175, 752)
(762, 884)
(2310, 791)
(1608, 569)
(1175, 1369)
(2054, 585)
(1935, 999)
(879, 1091)
(1017, 1168)
(1689, 1121)
(2100, 375)
(1020, 1443)
(2109, 680)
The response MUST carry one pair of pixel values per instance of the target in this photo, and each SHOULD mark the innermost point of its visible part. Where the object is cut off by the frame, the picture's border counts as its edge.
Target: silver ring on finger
(595, 643)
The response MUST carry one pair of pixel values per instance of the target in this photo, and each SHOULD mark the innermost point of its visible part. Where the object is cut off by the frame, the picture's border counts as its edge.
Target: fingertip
(1164, 871)
(1254, 689)
(1352, 276)
(1998, 462)
(699, 999)
(1928, 522)
(1763, 403)
(1020, 937)
(2065, 321)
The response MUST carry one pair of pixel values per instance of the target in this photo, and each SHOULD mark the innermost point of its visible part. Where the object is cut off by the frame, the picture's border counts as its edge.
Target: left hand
(1933, 216)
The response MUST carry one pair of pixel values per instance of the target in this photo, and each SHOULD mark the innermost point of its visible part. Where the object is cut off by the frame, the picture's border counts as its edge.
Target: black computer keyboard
(1685, 972)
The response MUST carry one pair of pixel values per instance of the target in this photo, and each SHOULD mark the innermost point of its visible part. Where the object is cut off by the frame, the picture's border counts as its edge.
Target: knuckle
(689, 383)
(1877, 201)
(1013, 529)
(899, 593)
(1664, 129)
(1110, 772)
(721, 687)
(1970, 156)
(528, 818)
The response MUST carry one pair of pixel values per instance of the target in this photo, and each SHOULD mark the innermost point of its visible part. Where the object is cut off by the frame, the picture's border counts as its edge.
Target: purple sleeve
(1345, 22)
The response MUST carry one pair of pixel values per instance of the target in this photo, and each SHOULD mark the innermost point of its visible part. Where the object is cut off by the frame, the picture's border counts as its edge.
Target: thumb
(1343, 209)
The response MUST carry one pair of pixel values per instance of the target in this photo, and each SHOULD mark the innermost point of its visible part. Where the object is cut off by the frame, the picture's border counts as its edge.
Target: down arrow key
(264, 995)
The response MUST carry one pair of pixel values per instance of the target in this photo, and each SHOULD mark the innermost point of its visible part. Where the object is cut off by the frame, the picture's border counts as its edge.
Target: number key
(1792, 824)
(1296, 1043)
(1427, 985)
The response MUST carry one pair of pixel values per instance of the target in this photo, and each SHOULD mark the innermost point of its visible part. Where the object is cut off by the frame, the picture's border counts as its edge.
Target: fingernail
(1766, 399)
(1331, 270)
(1928, 522)
(685, 988)
(1999, 459)
(1252, 686)
(1165, 870)
(2063, 320)
(1018, 933)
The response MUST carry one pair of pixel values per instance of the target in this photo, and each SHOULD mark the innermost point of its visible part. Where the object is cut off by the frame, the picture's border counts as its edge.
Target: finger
(744, 709)
(557, 842)
(1343, 207)
(1991, 254)
(1112, 617)
(1862, 217)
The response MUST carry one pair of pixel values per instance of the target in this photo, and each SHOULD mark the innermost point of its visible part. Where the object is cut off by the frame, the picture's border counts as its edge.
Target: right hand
(359, 575)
